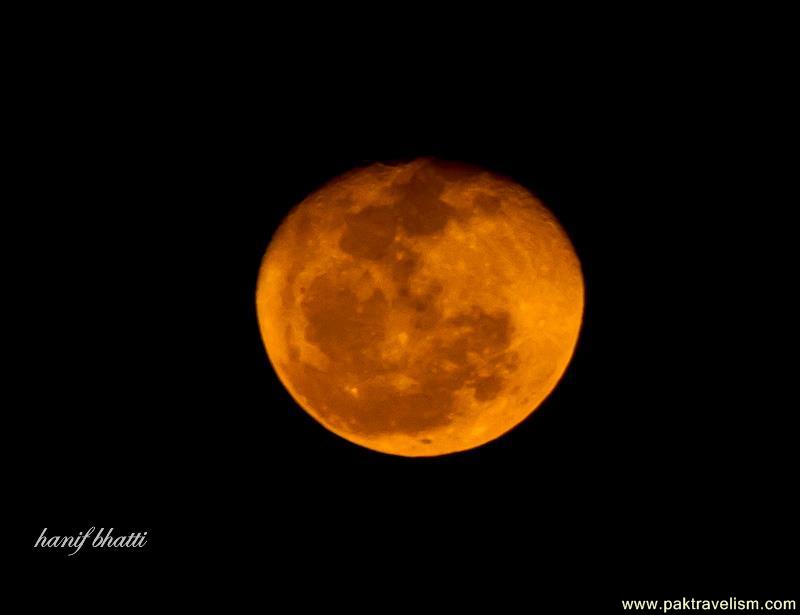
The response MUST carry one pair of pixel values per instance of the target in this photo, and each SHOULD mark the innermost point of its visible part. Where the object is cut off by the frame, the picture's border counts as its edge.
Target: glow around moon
(420, 309)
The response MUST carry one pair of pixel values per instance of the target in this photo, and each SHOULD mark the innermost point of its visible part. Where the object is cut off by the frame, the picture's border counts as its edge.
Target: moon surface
(421, 308)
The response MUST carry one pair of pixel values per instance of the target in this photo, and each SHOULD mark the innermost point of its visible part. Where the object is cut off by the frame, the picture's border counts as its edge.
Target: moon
(420, 308)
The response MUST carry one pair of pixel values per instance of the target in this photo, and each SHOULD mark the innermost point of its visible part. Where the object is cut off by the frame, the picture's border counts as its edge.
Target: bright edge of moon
(422, 308)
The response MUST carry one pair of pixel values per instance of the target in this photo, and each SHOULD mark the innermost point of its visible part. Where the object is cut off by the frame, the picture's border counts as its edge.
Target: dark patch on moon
(487, 203)
(487, 388)
(415, 206)
(352, 333)
(345, 329)
(419, 207)
(369, 233)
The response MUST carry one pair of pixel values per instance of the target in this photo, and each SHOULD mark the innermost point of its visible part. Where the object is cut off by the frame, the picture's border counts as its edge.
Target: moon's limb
(420, 309)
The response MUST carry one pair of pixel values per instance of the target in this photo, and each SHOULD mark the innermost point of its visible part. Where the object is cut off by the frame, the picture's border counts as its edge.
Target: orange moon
(422, 308)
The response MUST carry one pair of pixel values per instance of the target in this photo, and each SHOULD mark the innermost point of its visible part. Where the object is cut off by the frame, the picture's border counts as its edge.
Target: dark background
(147, 187)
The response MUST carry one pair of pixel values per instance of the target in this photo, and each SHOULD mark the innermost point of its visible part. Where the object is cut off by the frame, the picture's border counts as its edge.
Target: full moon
(421, 308)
